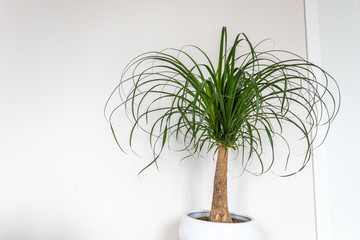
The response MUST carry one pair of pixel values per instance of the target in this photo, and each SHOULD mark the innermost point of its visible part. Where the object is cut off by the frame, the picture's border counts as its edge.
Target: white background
(61, 174)
(339, 39)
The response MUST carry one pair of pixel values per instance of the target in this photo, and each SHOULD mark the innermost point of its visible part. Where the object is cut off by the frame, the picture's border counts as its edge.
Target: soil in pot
(235, 220)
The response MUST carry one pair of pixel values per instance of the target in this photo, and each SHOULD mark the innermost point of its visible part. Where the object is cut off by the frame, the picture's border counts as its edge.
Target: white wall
(340, 37)
(61, 174)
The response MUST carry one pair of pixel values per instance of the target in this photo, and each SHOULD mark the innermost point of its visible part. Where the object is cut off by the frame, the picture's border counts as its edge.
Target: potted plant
(241, 103)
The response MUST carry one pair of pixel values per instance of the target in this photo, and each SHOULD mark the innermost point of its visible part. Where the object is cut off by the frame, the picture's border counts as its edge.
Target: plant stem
(219, 207)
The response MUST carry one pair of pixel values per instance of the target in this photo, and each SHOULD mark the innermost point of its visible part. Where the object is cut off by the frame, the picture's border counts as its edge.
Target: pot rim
(193, 215)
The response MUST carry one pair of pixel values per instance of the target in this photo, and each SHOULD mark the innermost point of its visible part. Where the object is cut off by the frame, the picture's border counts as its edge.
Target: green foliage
(243, 102)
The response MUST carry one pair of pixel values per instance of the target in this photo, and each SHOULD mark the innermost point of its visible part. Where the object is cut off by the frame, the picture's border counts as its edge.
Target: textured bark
(219, 207)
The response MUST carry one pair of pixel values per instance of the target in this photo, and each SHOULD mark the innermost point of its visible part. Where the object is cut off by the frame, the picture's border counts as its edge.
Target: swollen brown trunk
(219, 207)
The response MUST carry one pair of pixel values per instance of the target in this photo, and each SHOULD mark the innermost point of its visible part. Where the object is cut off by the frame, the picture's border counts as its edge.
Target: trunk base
(216, 216)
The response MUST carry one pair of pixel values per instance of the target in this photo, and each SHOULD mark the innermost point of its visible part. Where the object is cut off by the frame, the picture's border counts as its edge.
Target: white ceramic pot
(193, 229)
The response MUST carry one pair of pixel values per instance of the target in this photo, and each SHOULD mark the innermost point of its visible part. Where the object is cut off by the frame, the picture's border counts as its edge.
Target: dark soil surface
(235, 220)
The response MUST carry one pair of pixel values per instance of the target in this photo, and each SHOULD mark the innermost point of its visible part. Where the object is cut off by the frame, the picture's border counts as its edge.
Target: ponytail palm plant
(243, 102)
